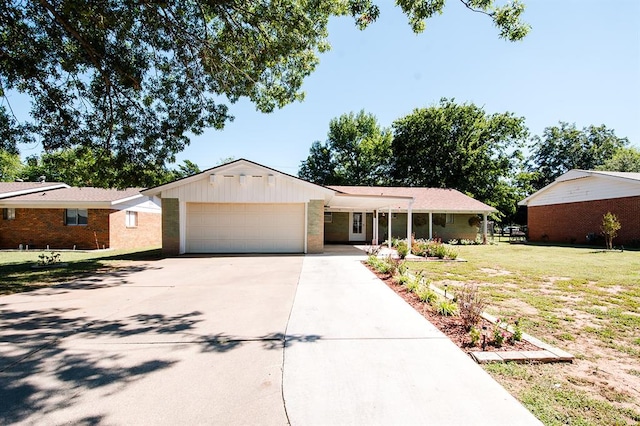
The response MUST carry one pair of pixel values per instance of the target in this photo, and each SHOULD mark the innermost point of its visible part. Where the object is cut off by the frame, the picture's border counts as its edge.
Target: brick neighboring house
(570, 209)
(63, 217)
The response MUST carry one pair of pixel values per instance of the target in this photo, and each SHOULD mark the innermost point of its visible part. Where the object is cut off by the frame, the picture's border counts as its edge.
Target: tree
(624, 160)
(10, 166)
(78, 167)
(564, 147)
(460, 146)
(357, 152)
(130, 80)
(610, 227)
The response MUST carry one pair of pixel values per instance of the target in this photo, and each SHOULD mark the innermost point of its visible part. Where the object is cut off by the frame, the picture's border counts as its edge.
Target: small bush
(470, 305)
(402, 279)
(475, 334)
(414, 283)
(499, 333)
(403, 249)
(425, 293)
(446, 307)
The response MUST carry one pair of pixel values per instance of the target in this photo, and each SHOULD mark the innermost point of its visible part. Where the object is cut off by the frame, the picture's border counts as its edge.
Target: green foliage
(357, 152)
(414, 283)
(48, 259)
(433, 248)
(10, 166)
(131, 80)
(610, 227)
(475, 335)
(425, 294)
(460, 146)
(499, 333)
(517, 330)
(81, 167)
(403, 249)
(624, 160)
(446, 307)
(564, 147)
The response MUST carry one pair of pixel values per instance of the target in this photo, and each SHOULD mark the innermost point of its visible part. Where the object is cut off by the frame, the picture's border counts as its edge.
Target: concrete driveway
(177, 341)
(237, 340)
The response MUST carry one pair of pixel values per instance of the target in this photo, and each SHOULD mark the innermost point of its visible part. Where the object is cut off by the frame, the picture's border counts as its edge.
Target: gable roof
(11, 189)
(436, 200)
(220, 170)
(625, 184)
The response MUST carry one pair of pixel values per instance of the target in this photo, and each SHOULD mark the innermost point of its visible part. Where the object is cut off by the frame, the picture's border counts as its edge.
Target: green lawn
(583, 300)
(17, 274)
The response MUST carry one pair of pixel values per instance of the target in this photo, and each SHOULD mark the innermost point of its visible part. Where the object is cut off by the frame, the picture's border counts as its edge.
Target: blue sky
(579, 64)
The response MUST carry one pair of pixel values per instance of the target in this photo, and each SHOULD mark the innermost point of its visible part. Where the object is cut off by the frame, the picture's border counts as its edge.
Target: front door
(357, 229)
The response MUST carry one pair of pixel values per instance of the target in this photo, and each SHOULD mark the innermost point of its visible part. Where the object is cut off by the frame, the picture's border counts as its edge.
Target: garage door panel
(245, 228)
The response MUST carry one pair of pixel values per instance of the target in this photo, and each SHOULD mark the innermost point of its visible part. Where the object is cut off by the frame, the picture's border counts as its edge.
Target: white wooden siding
(256, 189)
(586, 189)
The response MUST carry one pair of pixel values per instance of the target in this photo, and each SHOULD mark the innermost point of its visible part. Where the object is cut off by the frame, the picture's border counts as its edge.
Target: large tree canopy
(564, 147)
(460, 146)
(357, 152)
(130, 80)
(624, 160)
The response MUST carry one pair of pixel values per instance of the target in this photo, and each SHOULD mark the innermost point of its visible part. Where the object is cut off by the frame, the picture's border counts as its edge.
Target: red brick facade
(572, 222)
(40, 228)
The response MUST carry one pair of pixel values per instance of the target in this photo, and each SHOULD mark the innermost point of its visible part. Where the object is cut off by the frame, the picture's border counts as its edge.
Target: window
(75, 216)
(131, 219)
(9, 214)
(328, 217)
(449, 218)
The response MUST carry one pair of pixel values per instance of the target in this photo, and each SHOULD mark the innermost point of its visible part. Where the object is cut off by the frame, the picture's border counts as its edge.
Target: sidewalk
(376, 360)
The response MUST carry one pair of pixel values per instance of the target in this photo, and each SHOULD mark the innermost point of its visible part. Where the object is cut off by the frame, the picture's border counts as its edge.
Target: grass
(19, 276)
(583, 300)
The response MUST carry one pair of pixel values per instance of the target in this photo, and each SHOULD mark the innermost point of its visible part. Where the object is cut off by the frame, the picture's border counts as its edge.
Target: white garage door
(245, 228)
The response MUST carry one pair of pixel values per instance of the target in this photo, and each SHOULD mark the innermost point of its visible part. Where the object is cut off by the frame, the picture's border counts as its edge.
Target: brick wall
(41, 227)
(572, 222)
(170, 226)
(315, 226)
(148, 233)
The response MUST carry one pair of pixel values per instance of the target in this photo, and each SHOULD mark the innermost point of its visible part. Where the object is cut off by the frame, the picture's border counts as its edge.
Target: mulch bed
(452, 327)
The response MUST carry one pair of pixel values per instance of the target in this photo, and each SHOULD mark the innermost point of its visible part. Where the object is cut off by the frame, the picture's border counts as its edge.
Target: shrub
(425, 293)
(403, 249)
(517, 330)
(499, 333)
(475, 334)
(610, 227)
(51, 259)
(446, 307)
(470, 305)
(414, 283)
(402, 279)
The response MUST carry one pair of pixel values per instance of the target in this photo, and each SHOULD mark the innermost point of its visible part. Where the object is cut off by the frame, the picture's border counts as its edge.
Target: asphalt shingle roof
(84, 194)
(434, 199)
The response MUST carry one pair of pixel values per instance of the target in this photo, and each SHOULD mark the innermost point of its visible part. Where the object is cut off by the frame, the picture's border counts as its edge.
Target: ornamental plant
(499, 333)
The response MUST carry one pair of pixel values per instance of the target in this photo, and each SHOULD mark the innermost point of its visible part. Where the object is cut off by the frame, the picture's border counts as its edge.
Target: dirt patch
(495, 272)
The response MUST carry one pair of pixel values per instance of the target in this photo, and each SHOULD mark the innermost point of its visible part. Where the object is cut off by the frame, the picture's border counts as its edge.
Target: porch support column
(375, 227)
(484, 228)
(430, 225)
(389, 228)
(409, 223)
